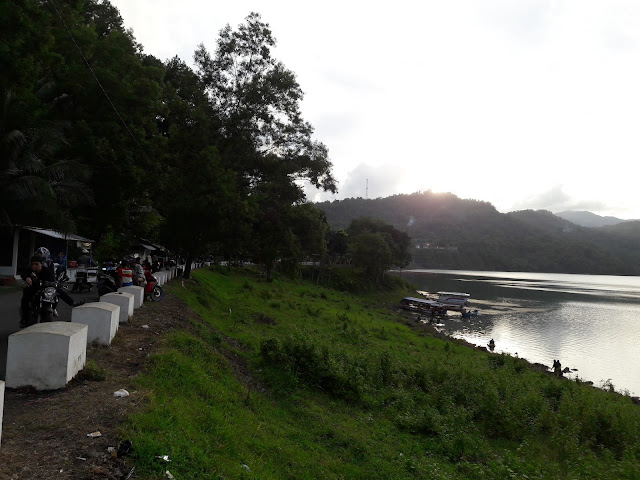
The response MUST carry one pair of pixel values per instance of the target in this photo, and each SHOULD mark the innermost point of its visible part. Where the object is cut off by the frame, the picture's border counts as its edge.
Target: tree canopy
(103, 139)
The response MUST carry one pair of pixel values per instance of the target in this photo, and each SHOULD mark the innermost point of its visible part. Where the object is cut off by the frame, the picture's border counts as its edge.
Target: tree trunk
(187, 267)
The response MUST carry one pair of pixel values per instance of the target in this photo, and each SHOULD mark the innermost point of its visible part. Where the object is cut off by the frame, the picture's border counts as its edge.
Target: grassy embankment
(347, 390)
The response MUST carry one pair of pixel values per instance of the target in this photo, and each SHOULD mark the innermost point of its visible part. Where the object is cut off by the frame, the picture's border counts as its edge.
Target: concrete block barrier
(102, 319)
(138, 295)
(46, 356)
(124, 300)
(161, 277)
(1, 407)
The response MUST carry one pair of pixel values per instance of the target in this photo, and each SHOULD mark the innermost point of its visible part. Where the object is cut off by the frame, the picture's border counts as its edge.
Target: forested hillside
(468, 234)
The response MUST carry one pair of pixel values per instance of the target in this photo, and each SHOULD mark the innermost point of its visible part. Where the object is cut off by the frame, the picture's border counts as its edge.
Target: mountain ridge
(454, 233)
(589, 219)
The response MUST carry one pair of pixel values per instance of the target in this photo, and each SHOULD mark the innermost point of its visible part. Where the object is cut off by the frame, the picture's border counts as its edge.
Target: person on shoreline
(557, 368)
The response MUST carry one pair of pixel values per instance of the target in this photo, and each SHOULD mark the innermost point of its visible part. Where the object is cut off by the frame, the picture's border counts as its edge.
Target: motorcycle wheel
(102, 290)
(157, 293)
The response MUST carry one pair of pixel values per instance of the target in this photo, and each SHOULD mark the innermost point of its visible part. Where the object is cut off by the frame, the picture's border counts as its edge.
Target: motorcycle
(42, 304)
(152, 290)
(107, 281)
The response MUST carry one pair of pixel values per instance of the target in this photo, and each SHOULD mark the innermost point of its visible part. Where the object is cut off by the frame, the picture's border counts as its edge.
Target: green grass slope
(288, 380)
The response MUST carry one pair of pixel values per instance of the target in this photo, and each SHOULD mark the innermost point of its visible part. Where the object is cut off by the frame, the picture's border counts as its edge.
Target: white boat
(422, 306)
(451, 300)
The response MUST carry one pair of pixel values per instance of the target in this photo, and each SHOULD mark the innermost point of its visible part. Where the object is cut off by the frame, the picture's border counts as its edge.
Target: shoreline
(432, 330)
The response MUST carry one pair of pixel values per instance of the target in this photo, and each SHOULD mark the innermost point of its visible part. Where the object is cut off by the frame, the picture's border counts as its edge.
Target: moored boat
(451, 300)
(421, 305)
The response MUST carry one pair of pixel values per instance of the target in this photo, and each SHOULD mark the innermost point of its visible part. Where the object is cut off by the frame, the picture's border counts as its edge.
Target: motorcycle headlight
(49, 293)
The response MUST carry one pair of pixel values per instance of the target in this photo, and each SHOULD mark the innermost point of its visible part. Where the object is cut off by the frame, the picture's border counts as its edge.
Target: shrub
(315, 365)
(93, 372)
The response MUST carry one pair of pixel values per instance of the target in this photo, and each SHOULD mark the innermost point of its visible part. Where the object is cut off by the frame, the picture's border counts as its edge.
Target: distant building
(435, 246)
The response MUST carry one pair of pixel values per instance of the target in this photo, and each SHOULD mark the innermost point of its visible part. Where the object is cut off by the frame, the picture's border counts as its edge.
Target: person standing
(33, 277)
(138, 273)
(62, 265)
(85, 259)
(125, 274)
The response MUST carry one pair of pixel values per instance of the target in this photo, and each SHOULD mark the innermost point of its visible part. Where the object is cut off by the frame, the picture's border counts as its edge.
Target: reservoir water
(591, 323)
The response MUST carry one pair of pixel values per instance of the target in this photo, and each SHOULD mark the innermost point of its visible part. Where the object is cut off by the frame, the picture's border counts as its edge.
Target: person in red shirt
(125, 274)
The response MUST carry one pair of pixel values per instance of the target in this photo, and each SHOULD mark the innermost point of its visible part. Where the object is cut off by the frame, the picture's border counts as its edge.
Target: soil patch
(44, 434)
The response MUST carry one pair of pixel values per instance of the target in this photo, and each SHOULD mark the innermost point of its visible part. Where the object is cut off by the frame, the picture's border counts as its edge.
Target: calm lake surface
(589, 322)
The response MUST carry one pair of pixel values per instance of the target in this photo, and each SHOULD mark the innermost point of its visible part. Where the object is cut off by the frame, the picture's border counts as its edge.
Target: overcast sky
(521, 103)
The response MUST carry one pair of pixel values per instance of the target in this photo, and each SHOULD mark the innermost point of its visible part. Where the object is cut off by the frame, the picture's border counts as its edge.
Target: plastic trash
(145, 326)
(124, 449)
(94, 434)
(121, 393)
(246, 467)
(168, 475)
(163, 457)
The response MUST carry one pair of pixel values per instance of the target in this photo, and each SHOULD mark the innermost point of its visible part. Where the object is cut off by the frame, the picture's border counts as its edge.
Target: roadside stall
(22, 241)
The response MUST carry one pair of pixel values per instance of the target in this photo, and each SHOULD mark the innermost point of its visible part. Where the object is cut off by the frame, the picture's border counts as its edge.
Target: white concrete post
(137, 292)
(124, 300)
(102, 319)
(1, 407)
(46, 355)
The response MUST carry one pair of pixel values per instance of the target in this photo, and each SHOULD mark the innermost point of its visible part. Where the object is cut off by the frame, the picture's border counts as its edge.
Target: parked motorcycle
(152, 290)
(107, 280)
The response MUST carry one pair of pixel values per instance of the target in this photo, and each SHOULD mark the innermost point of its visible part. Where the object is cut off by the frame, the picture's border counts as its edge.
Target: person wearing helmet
(33, 277)
(45, 256)
(46, 273)
(85, 259)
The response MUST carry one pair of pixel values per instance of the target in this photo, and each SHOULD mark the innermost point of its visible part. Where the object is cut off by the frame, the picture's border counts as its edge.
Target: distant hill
(588, 219)
(452, 233)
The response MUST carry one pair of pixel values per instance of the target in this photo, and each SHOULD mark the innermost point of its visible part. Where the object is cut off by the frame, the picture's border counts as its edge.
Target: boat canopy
(454, 294)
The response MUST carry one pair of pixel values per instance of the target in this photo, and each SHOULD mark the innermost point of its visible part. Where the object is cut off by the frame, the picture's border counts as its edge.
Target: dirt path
(44, 435)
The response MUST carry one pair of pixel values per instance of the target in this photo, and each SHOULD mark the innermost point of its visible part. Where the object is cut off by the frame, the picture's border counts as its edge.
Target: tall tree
(199, 196)
(257, 101)
(261, 135)
(398, 242)
(107, 92)
(371, 252)
(37, 185)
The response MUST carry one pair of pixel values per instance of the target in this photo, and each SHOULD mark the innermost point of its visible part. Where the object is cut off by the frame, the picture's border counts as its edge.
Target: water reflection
(591, 323)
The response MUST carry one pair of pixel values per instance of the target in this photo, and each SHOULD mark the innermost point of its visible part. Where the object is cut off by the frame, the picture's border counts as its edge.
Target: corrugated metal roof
(60, 235)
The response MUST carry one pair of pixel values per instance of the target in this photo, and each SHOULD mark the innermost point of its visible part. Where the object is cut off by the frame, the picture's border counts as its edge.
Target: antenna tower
(366, 192)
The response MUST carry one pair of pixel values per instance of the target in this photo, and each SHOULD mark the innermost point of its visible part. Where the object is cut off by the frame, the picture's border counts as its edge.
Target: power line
(98, 81)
